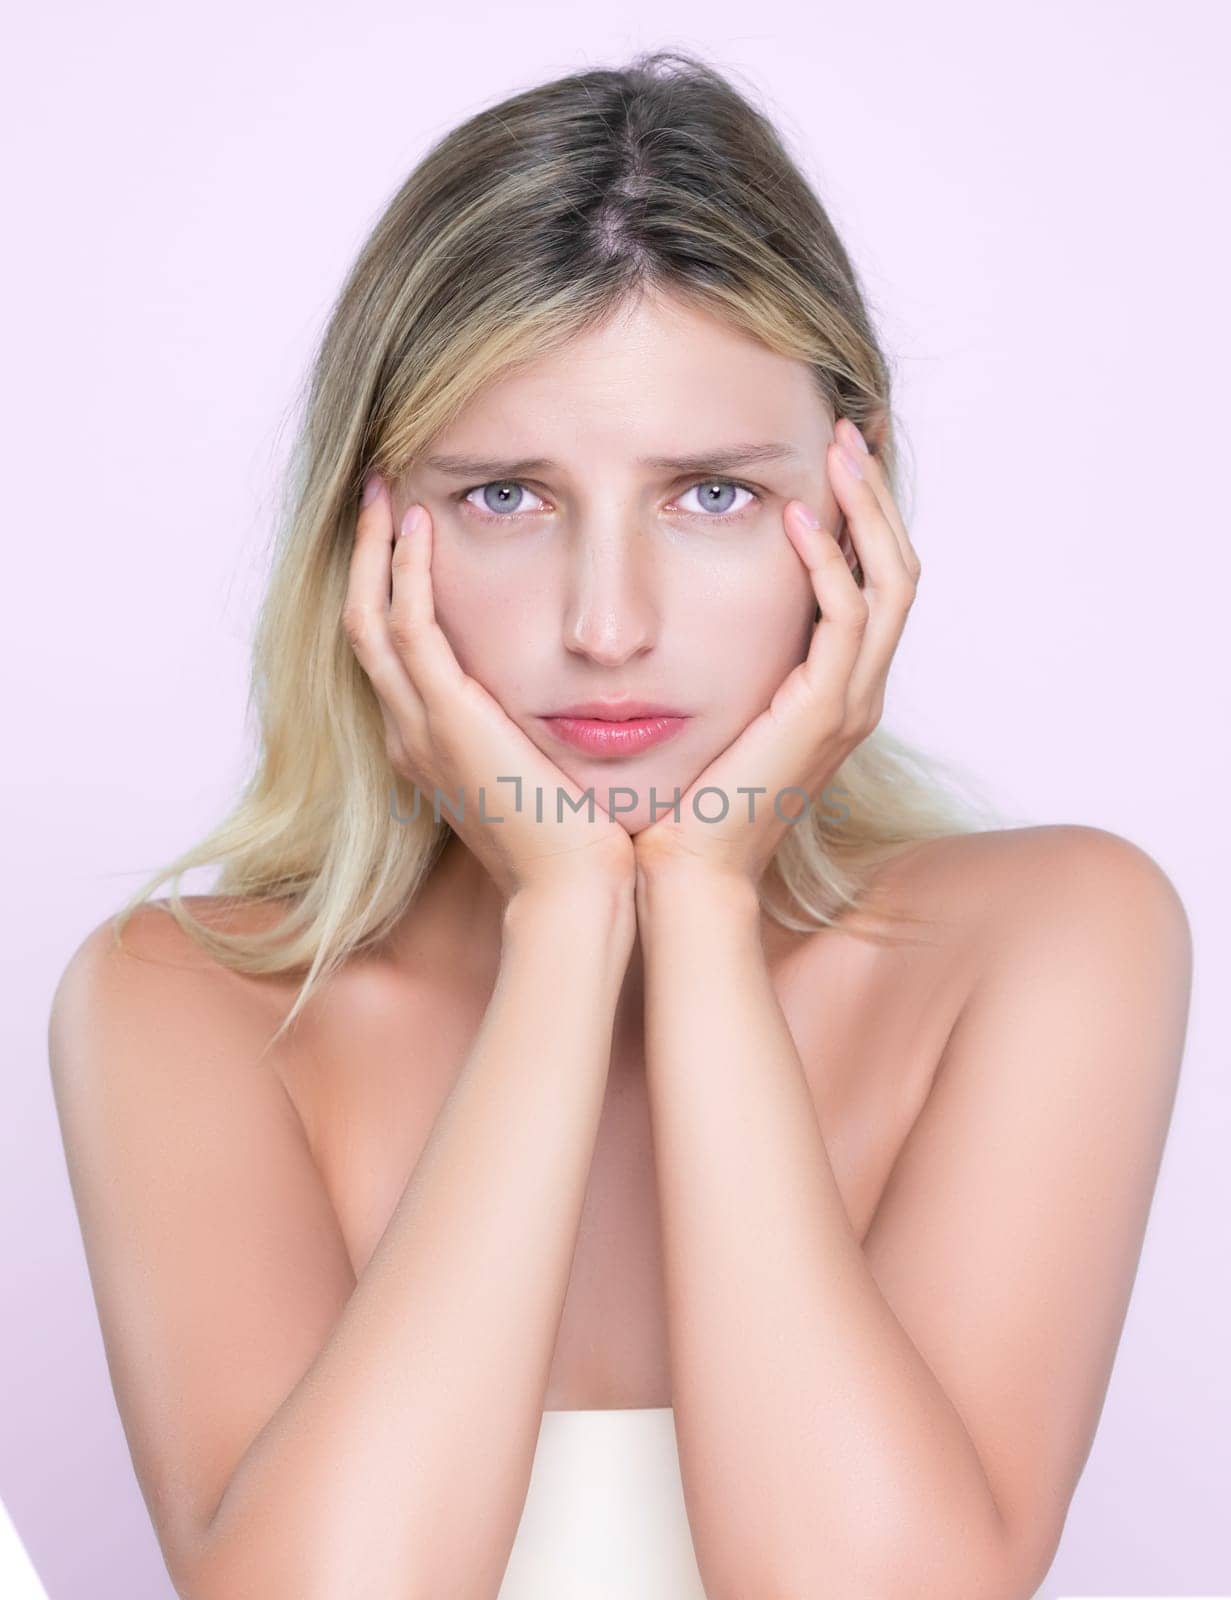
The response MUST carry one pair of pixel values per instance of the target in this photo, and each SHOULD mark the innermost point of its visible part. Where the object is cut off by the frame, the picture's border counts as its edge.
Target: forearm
(820, 1453)
(398, 1465)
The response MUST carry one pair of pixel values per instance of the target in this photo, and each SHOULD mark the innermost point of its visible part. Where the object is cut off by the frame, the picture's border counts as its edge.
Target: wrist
(680, 883)
(603, 901)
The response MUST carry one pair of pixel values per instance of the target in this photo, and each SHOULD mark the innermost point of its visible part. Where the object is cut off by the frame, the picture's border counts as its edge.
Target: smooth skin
(899, 1226)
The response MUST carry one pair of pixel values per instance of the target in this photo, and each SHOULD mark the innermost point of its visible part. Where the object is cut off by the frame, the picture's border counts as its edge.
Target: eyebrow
(722, 459)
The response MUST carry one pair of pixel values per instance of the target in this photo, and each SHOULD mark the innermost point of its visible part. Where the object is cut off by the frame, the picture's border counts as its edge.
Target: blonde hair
(526, 225)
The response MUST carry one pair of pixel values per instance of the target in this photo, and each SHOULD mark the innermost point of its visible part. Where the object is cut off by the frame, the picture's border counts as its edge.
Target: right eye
(502, 499)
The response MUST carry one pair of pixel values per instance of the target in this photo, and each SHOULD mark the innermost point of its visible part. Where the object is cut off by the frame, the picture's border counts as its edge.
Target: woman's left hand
(828, 704)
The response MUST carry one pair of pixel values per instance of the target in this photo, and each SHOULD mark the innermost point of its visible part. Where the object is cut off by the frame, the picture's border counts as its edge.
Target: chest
(869, 1026)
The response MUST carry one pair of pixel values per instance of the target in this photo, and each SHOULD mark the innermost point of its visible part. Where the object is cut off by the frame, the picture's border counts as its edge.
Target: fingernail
(807, 515)
(849, 461)
(371, 488)
(410, 521)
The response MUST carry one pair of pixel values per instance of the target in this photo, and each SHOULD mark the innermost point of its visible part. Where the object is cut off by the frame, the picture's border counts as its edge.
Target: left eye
(715, 497)
(500, 498)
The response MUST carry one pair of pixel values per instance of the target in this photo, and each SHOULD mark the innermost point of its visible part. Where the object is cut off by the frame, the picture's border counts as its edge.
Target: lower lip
(599, 738)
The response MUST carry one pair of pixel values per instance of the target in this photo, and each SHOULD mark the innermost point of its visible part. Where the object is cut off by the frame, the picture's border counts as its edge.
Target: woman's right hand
(444, 730)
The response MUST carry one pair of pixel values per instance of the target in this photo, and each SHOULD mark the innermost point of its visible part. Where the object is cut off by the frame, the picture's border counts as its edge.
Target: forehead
(658, 379)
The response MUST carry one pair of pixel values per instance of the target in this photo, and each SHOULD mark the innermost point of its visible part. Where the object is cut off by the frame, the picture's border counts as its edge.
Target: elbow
(204, 1568)
(200, 1568)
(873, 1582)
(993, 1568)
(202, 1565)
(225, 1552)
(281, 1567)
(189, 1568)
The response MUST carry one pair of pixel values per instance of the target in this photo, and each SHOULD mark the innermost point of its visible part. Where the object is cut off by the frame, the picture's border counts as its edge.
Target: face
(578, 556)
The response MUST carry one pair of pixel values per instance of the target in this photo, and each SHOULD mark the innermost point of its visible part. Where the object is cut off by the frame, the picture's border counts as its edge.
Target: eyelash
(707, 516)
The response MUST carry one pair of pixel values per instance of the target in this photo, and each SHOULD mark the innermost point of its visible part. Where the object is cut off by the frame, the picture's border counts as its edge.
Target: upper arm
(216, 1260)
(1008, 1237)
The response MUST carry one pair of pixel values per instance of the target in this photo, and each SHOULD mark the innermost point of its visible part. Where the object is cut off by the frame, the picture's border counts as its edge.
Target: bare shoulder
(995, 884)
(152, 984)
(152, 951)
(1064, 925)
(1066, 847)
(1025, 909)
(1045, 882)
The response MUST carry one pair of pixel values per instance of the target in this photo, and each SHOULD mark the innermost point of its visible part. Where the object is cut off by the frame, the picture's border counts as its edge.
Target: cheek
(481, 622)
(493, 605)
(505, 636)
(758, 631)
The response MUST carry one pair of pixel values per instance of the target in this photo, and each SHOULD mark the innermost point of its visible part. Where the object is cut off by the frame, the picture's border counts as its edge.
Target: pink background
(1036, 198)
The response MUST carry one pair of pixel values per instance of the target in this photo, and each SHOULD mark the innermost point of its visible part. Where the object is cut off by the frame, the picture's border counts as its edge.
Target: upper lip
(615, 710)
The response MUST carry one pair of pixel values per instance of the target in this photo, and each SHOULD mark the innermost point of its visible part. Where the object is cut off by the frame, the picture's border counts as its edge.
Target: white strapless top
(604, 1517)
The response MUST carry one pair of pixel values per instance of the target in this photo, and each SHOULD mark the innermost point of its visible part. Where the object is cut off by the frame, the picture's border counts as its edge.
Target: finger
(889, 586)
(874, 473)
(837, 638)
(417, 636)
(365, 611)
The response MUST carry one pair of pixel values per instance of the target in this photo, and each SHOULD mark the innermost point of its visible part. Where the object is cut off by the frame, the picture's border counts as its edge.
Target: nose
(610, 611)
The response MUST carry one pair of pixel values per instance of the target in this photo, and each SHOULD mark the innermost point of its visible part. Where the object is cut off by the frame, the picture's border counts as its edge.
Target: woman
(663, 1147)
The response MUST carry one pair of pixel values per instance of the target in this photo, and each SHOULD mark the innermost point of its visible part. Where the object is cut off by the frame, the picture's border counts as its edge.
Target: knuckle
(400, 761)
(830, 717)
(852, 716)
(401, 754)
(356, 624)
(403, 632)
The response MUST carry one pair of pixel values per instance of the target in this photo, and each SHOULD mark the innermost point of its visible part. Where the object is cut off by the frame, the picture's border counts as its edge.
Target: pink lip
(613, 709)
(604, 736)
